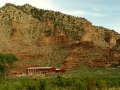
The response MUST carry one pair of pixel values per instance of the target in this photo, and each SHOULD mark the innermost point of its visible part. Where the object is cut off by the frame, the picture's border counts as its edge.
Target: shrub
(78, 85)
(101, 85)
(43, 84)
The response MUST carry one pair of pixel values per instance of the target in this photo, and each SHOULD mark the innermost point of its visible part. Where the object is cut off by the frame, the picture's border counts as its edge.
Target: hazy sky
(100, 12)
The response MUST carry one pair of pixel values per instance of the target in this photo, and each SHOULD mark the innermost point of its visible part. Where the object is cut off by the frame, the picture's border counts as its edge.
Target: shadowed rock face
(47, 38)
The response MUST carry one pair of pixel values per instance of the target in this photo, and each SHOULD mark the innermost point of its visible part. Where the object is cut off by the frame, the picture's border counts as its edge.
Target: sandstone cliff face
(86, 37)
(86, 53)
(47, 38)
(112, 40)
(53, 40)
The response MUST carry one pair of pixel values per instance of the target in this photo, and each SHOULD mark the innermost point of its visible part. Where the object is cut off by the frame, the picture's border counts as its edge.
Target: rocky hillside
(48, 38)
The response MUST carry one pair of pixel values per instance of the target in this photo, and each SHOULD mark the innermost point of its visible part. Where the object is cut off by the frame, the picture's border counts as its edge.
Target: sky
(100, 12)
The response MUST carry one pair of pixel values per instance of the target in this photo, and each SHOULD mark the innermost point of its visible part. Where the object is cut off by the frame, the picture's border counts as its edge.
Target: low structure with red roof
(31, 71)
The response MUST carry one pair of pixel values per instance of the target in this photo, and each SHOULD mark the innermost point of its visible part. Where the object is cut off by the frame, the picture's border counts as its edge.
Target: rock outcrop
(112, 40)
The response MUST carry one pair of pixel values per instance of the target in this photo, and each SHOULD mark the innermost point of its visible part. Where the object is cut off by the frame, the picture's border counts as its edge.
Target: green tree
(6, 62)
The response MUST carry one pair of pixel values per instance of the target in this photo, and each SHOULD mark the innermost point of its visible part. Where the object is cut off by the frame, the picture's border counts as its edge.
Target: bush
(78, 85)
(91, 83)
(43, 84)
(101, 85)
